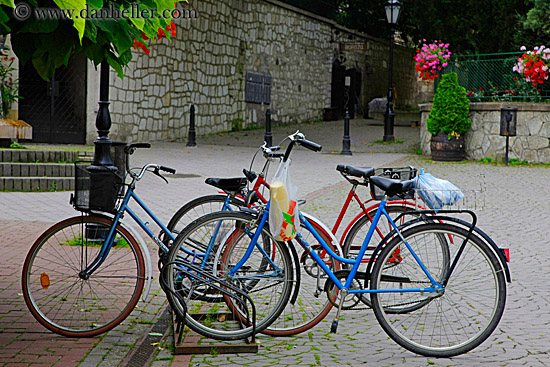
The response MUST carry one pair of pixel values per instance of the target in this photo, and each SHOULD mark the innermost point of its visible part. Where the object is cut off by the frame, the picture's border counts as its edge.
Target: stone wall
(532, 142)
(206, 65)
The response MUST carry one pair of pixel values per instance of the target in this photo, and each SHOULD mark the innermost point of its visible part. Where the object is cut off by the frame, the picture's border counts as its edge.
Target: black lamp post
(102, 153)
(392, 15)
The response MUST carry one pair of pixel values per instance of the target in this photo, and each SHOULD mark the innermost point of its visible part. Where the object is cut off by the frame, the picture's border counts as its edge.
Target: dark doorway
(56, 110)
(340, 94)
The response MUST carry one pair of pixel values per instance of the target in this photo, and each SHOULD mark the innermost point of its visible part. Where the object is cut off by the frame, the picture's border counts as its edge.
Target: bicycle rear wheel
(73, 304)
(266, 276)
(450, 322)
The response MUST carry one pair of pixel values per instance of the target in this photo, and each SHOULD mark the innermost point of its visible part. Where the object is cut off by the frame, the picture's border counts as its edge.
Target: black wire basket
(396, 173)
(99, 189)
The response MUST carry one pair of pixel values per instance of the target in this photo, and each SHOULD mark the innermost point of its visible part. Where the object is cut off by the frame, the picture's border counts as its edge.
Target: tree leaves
(48, 43)
(76, 7)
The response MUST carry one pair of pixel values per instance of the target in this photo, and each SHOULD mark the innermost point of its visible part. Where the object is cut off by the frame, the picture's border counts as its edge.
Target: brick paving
(515, 214)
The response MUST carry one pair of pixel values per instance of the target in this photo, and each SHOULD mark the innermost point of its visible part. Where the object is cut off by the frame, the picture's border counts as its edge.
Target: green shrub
(450, 109)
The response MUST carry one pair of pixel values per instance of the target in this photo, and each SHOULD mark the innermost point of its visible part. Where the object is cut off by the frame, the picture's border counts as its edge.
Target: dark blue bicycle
(438, 287)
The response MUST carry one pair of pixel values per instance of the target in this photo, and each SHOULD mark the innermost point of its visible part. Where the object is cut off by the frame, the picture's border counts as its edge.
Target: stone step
(37, 170)
(43, 156)
(36, 183)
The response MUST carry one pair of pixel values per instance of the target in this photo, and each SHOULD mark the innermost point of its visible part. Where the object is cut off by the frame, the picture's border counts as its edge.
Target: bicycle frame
(130, 194)
(355, 262)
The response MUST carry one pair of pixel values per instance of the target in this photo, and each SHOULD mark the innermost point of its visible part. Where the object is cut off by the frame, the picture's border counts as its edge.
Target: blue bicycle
(84, 275)
(438, 287)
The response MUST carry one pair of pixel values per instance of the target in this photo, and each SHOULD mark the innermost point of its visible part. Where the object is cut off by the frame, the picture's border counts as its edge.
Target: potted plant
(8, 86)
(448, 120)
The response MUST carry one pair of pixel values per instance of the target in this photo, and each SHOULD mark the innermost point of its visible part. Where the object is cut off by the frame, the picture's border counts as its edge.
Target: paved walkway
(509, 216)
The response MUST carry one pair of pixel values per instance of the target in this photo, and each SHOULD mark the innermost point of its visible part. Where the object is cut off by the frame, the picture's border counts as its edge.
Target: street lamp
(392, 15)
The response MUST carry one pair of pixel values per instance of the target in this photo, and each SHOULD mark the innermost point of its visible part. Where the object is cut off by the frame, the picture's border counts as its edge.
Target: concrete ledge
(44, 184)
(23, 155)
(37, 169)
(532, 142)
(15, 129)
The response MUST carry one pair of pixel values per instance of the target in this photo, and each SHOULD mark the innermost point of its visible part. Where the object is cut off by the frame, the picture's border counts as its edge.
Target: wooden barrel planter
(447, 150)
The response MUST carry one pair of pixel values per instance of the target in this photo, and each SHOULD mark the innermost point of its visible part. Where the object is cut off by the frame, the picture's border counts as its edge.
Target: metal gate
(56, 110)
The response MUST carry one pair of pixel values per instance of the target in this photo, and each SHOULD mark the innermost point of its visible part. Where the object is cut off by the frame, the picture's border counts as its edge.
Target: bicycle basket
(95, 190)
(396, 173)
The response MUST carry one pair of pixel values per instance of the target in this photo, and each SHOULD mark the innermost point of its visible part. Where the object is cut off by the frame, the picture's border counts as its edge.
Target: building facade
(233, 60)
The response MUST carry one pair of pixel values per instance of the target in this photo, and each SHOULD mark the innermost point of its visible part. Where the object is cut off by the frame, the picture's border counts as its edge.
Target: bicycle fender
(500, 255)
(298, 273)
(489, 241)
(325, 229)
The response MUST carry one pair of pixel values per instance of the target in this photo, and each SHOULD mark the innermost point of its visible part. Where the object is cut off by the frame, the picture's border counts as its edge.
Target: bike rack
(190, 342)
(187, 342)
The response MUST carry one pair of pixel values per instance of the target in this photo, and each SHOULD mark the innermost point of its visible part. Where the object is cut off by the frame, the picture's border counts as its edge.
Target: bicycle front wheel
(266, 276)
(69, 302)
(450, 322)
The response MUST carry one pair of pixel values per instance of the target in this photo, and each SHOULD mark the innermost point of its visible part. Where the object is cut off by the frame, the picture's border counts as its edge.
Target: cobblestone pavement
(508, 215)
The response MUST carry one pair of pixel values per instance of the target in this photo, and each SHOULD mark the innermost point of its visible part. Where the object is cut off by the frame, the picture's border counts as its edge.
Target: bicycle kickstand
(343, 294)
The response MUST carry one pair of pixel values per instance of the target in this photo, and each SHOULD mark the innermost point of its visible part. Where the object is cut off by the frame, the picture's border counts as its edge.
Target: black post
(507, 145)
(102, 152)
(191, 141)
(268, 138)
(346, 142)
(389, 116)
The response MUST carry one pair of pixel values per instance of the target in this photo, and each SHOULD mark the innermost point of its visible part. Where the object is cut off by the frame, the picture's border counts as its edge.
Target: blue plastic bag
(435, 192)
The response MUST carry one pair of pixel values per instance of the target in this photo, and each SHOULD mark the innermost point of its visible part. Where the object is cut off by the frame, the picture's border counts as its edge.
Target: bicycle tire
(72, 306)
(454, 321)
(269, 292)
(311, 305)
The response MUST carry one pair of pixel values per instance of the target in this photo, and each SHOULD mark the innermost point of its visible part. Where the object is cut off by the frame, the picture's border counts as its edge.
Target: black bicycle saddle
(392, 187)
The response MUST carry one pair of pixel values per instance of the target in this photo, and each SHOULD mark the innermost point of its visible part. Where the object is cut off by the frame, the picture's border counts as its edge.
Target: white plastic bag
(283, 212)
(436, 192)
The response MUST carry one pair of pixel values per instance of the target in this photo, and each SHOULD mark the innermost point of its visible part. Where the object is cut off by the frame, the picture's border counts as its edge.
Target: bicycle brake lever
(156, 172)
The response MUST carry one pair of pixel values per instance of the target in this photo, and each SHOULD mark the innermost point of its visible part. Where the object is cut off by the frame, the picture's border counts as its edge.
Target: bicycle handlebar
(130, 149)
(167, 169)
(300, 138)
(310, 145)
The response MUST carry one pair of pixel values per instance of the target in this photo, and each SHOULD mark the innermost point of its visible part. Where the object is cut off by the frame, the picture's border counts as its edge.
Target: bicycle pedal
(334, 326)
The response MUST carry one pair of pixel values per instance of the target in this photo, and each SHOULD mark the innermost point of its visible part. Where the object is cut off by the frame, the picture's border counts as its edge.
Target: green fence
(489, 77)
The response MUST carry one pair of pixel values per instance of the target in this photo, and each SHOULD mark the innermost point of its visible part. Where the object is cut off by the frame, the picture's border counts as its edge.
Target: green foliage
(450, 109)
(16, 145)
(534, 28)
(9, 87)
(486, 160)
(49, 43)
(395, 141)
(470, 26)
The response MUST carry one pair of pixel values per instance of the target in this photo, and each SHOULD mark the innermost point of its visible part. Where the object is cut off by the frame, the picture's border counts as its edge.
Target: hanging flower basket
(431, 59)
